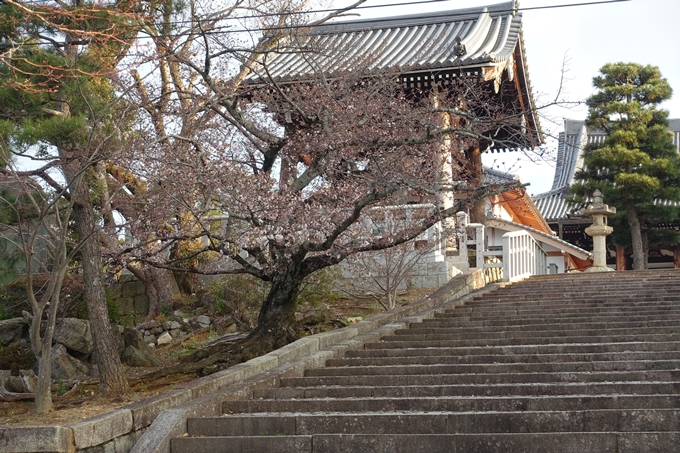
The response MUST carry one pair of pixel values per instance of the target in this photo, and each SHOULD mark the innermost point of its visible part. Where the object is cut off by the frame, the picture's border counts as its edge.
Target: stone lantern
(599, 231)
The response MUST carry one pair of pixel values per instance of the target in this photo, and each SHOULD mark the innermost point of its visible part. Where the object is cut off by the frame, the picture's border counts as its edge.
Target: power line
(373, 21)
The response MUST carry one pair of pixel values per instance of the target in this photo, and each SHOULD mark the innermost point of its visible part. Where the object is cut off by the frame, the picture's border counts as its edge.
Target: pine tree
(637, 166)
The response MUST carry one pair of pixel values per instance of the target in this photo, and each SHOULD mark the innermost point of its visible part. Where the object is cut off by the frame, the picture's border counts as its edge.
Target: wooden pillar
(620, 259)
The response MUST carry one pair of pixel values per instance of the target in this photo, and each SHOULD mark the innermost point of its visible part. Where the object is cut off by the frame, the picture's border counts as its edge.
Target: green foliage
(637, 163)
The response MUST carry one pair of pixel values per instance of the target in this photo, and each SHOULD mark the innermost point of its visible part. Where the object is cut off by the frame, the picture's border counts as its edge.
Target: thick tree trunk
(113, 381)
(639, 255)
(161, 286)
(276, 321)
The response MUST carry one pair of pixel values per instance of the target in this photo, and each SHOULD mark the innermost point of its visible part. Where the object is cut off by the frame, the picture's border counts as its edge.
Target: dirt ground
(81, 402)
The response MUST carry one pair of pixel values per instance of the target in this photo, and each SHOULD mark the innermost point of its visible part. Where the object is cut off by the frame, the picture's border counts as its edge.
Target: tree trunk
(276, 321)
(639, 256)
(43, 389)
(160, 285)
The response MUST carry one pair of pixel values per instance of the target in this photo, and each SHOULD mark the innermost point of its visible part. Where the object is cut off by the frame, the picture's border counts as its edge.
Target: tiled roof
(491, 176)
(464, 38)
(553, 205)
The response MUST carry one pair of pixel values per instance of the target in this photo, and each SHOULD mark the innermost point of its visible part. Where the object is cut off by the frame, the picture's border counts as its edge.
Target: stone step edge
(592, 442)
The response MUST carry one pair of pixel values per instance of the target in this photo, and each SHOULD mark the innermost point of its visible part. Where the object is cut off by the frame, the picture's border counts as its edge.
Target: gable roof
(423, 49)
(464, 38)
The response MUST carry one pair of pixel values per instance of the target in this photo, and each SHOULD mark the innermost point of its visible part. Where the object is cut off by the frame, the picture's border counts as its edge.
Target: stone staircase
(564, 363)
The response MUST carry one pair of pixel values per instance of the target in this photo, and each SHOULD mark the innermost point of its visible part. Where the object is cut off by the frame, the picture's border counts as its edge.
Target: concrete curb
(147, 426)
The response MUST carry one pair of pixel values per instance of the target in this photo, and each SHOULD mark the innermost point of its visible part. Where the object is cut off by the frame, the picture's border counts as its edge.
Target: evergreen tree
(56, 107)
(637, 167)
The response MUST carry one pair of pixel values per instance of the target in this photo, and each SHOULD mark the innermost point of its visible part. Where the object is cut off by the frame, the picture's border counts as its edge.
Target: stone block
(127, 305)
(214, 382)
(145, 412)
(139, 288)
(259, 365)
(332, 337)
(142, 304)
(36, 439)
(129, 289)
(301, 348)
(102, 428)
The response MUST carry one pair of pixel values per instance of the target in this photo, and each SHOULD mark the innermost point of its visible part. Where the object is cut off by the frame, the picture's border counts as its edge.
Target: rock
(174, 325)
(139, 357)
(137, 352)
(64, 366)
(24, 383)
(74, 334)
(354, 319)
(164, 338)
(149, 339)
(132, 337)
(12, 329)
(224, 325)
(179, 314)
(176, 333)
(148, 325)
(166, 325)
(29, 379)
(203, 320)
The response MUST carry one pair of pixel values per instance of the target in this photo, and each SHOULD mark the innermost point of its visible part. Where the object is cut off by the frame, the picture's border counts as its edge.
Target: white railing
(522, 256)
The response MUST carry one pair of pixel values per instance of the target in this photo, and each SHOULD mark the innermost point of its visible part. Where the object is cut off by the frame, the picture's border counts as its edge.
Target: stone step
(291, 424)
(576, 348)
(482, 379)
(578, 292)
(515, 389)
(562, 363)
(611, 442)
(585, 324)
(490, 368)
(524, 322)
(565, 302)
(419, 359)
(493, 313)
(457, 403)
(395, 341)
(501, 332)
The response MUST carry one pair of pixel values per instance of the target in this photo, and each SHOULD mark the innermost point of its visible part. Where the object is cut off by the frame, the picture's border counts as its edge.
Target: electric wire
(373, 21)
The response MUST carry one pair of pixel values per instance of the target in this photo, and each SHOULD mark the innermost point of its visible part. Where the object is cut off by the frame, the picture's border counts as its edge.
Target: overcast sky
(585, 38)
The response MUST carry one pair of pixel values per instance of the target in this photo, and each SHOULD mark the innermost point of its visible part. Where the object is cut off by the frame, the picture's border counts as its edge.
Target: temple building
(427, 52)
(564, 217)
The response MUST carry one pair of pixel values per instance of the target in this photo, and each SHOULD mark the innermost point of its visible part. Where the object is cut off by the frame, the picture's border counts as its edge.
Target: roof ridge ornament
(459, 48)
